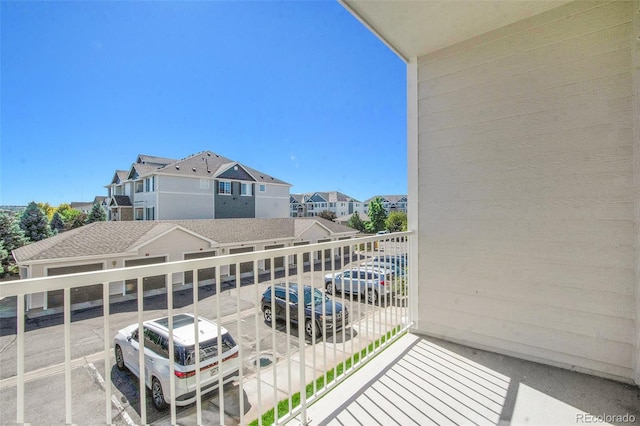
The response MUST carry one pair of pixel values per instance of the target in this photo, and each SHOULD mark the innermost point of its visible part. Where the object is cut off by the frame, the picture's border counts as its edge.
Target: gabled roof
(208, 164)
(139, 169)
(234, 171)
(154, 161)
(123, 237)
(119, 176)
(323, 197)
(389, 198)
(121, 201)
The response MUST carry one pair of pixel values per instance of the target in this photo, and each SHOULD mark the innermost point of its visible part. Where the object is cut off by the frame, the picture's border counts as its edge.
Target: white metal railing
(330, 357)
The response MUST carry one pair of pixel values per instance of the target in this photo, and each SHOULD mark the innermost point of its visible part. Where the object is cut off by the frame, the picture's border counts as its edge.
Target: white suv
(156, 357)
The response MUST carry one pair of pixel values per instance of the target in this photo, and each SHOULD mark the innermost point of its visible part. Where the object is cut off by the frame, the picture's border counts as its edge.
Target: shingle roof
(122, 200)
(331, 196)
(209, 164)
(388, 198)
(152, 159)
(119, 237)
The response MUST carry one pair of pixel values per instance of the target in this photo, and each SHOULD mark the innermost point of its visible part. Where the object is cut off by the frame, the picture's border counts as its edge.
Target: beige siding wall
(526, 190)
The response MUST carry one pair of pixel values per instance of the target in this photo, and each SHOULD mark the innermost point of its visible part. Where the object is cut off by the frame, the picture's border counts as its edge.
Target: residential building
(85, 207)
(116, 244)
(202, 186)
(390, 203)
(313, 203)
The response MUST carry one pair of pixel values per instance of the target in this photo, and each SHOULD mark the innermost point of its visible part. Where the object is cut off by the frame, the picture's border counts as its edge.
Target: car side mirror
(129, 338)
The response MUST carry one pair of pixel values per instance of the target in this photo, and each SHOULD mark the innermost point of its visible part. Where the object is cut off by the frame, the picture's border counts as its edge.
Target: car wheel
(267, 314)
(119, 358)
(329, 287)
(309, 325)
(372, 296)
(157, 395)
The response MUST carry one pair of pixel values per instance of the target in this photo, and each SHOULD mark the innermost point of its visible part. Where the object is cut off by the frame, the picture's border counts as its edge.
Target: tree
(78, 220)
(57, 224)
(34, 223)
(356, 223)
(97, 214)
(4, 254)
(377, 216)
(326, 214)
(68, 214)
(47, 209)
(11, 238)
(397, 221)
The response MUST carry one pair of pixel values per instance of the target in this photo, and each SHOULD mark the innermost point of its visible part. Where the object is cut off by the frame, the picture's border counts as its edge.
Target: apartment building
(391, 203)
(313, 203)
(205, 185)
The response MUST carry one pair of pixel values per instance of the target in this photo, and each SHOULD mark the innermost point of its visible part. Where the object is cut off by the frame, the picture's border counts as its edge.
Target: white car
(374, 283)
(156, 357)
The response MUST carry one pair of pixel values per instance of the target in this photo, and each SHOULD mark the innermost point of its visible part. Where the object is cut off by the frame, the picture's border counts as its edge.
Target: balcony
(60, 367)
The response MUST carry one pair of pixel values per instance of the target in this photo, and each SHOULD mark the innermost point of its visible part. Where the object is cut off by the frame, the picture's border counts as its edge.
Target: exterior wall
(235, 205)
(274, 202)
(525, 199)
(184, 198)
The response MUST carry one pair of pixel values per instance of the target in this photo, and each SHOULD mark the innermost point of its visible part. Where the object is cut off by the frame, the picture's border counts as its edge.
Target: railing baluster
(196, 339)
(219, 355)
(107, 350)
(273, 340)
(141, 369)
(20, 329)
(302, 340)
(256, 275)
(240, 350)
(172, 357)
(67, 354)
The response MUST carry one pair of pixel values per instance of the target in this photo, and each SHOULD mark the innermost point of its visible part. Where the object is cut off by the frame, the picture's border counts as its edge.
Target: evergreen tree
(377, 216)
(4, 257)
(34, 223)
(78, 220)
(57, 224)
(11, 237)
(356, 222)
(97, 214)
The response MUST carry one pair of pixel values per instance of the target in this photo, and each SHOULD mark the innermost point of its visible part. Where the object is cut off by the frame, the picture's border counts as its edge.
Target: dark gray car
(275, 305)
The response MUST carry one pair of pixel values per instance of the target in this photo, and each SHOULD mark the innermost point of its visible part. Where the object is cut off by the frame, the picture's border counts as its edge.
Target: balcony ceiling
(415, 28)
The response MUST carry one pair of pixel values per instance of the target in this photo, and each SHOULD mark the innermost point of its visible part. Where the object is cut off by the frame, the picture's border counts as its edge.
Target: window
(246, 189)
(139, 214)
(149, 184)
(224, 187)
(139, 186)
(263, 188)
(150, 213)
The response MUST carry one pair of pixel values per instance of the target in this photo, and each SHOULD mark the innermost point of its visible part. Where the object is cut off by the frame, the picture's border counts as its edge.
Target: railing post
(302, 339)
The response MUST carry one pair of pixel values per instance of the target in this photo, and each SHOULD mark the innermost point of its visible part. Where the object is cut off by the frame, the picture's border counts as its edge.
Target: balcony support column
(635, 48)
(413, 193)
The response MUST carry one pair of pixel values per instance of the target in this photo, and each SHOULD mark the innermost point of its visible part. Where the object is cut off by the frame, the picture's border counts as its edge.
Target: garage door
(148, 283)
(79, 294)
(305, 256)
(278, 262)
(245, 266)
(203, 274)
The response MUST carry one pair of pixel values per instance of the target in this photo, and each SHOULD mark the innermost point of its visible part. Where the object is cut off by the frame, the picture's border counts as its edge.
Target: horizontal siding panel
(531, 82)
(436, 327)
(553, 310)
(499, 103)
(592, 25)
(541, 252)
(606, 208)
(526, 189)
(589, 348)
(590, 138)
(522, 274)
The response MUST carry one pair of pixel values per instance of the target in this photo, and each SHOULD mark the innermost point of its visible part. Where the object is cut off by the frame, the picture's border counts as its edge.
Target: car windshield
(318, 297)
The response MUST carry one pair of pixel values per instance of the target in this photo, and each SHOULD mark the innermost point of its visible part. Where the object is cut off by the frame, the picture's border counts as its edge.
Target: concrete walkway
(424, 381)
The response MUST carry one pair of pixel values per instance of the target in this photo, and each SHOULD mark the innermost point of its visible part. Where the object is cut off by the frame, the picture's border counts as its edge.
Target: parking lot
(237, 309)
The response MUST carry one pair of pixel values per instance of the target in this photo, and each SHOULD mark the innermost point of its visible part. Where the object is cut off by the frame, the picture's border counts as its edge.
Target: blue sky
(299, 90)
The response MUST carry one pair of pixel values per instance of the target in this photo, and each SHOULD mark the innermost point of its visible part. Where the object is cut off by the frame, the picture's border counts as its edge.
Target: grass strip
(328, 377)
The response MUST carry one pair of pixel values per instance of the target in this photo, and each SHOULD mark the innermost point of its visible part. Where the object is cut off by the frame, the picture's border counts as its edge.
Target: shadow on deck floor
(422, 381)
